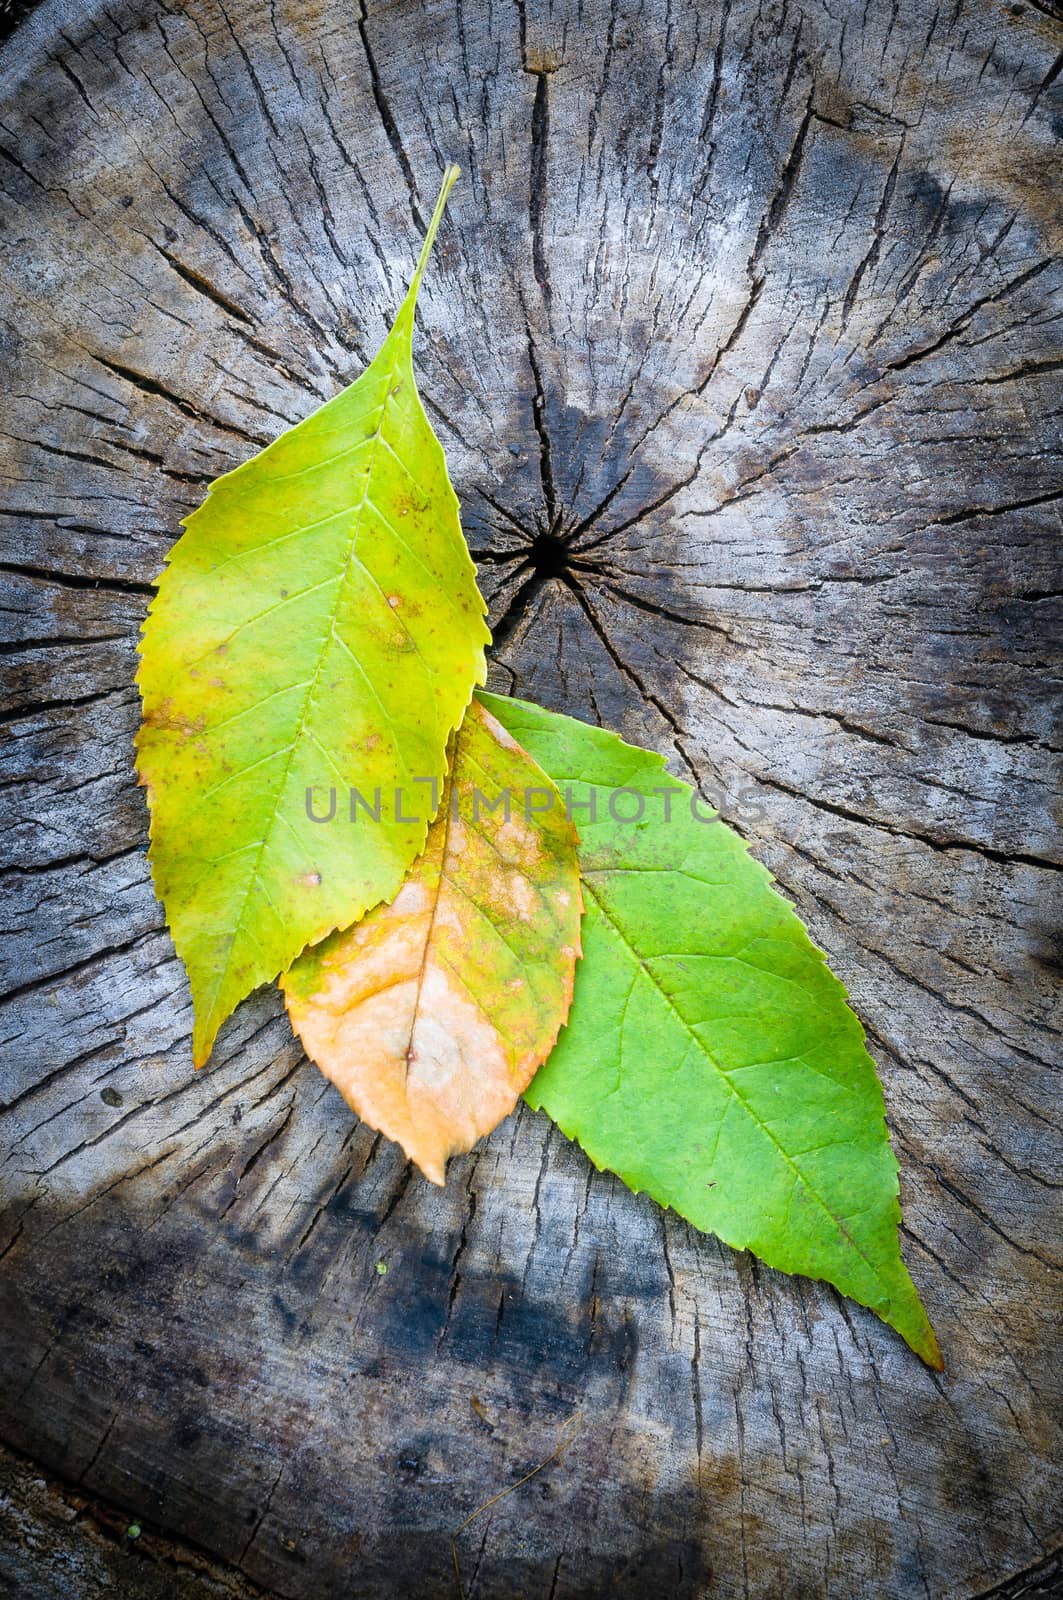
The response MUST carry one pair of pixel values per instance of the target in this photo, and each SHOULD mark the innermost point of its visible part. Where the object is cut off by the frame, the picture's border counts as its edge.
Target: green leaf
(710, 1057)
(317, 624)
(432, 1014)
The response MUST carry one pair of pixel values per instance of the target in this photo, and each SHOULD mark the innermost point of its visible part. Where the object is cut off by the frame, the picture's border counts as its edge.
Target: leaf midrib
(423, 968)
(448, 878)
(254, 875)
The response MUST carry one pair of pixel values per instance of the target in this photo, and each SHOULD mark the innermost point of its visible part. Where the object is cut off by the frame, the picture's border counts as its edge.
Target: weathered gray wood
(756, 309)
(56, 1541)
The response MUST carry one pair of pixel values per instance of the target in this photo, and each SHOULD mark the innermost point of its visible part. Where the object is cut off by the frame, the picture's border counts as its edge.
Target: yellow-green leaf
(710, 1057)
(317, 624)
(432, 1014)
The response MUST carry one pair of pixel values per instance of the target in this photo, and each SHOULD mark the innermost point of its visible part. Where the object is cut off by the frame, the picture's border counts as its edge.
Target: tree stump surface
(743, 339)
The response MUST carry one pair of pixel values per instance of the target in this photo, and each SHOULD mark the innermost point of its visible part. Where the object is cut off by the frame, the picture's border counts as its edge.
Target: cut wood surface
(743, 338)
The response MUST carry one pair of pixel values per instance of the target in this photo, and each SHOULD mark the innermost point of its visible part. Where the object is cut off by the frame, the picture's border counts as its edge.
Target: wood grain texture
(744, 342)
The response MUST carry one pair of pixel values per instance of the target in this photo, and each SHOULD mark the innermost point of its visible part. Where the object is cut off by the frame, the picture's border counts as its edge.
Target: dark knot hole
(548, 556)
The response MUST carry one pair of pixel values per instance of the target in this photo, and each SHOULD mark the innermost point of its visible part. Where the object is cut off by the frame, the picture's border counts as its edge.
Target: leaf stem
(450, 178)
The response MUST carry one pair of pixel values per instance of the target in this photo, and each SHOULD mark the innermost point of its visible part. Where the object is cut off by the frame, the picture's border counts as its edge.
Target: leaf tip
(929, 1350)
(907, 1315)
(203, 1037)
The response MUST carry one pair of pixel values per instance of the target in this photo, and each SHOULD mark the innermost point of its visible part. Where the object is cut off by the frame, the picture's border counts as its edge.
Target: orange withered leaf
(433, 1013)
